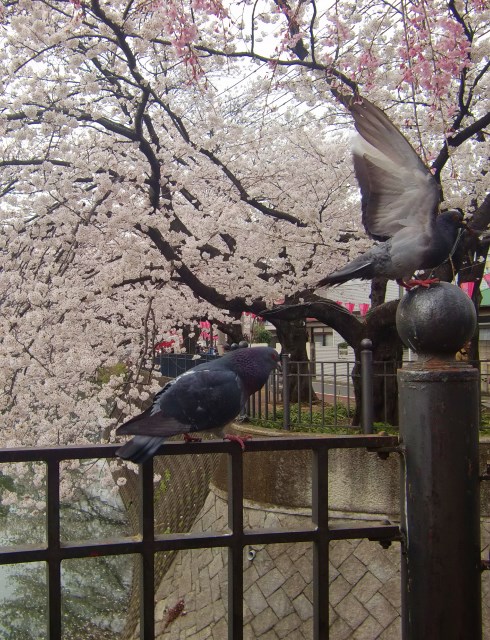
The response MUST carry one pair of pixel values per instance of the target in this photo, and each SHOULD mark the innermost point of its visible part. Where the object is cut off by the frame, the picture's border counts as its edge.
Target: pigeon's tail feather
(140, 448)
(362, 271)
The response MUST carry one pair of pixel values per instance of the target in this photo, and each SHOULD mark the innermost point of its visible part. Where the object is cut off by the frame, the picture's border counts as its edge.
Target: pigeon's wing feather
(394, 196)
(153, 425)
(198, 399)
(209, 396)
(397, 189)
(140, 448)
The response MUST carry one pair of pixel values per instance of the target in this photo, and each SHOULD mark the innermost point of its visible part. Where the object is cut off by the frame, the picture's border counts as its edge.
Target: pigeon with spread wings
(400, 205)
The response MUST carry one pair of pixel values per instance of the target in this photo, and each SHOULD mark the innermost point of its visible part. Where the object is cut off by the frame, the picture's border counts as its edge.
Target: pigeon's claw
(240, 439)
(189, 438)
(410, 284)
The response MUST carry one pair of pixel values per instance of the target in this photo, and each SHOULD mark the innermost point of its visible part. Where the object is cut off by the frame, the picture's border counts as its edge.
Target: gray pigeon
(400, 204)
(208, 396)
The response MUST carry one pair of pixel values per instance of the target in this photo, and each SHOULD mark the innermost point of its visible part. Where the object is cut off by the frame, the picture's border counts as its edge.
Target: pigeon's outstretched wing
(400, 203)
(397, 189)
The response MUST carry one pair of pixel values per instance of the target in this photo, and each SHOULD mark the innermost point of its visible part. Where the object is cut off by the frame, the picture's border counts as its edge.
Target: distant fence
(331, 398)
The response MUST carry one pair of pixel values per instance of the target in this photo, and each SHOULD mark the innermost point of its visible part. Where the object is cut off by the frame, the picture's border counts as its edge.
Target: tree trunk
(379, 326)
(387, 358)
(293, 338)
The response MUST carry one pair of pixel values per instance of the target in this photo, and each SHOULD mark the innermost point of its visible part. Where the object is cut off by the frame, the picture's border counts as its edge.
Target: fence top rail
(315, 443)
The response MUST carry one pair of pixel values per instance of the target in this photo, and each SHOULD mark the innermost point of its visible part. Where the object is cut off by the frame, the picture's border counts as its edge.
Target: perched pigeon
(208, 396)
(400, 204)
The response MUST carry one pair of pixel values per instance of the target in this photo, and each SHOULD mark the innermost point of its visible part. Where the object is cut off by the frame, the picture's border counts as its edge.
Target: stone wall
(364, 577)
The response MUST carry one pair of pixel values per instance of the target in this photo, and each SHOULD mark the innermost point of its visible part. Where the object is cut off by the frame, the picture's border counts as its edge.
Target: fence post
(286, 417)
(439, 401)
(367, 413)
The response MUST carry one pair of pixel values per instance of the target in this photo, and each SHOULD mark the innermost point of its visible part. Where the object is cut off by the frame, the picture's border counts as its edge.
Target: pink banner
(468, 287)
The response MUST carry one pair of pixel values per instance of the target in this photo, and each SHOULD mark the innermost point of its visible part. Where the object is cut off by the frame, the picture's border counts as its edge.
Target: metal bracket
(384, 452)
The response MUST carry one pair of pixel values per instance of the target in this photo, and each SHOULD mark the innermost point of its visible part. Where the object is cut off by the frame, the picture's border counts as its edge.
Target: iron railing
(147, 543)
(330, 400)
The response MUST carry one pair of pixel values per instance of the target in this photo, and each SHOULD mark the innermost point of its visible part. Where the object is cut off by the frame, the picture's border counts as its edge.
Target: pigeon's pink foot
(189, 438)
(240, 439)
(419, 283)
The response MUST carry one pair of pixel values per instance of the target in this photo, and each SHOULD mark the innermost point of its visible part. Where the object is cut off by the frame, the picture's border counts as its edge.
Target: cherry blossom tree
(163, 162)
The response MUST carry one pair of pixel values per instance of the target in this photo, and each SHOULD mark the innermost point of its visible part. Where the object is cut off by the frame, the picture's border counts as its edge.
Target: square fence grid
(147, 543)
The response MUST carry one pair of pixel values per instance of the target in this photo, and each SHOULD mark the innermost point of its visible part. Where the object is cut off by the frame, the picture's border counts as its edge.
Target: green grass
(336, 421)
(333, 420)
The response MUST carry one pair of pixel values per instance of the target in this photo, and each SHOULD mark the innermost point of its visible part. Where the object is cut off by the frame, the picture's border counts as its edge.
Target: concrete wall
(364, 577)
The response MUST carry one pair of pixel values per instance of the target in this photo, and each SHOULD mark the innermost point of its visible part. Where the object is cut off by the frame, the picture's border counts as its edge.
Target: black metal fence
(147, 543)
(330, 399)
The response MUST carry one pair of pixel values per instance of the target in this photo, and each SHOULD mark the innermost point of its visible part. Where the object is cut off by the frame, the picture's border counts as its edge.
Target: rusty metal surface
(441, 523)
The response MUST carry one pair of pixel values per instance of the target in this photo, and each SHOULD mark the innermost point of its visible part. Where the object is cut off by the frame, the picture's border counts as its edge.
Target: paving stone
(247, 614)
(364, 551)
(269, 635)
(160, 610)
(287, 626)
(338, 590)
(368, 630)
(255, 519)
(280, 604)
(367, 586)
(255, 600)
(205, 617)
(391, 590)
(270, 582)
(284, 563)
(185, 581)
(264, 621)
(393, 632)
(203, 598)
(299, 549)
(303, 607)
(216, 565)
(271, 520)
(250, 575)
(276, 550)
(352, 569)
(381, 609)
(333, 572)
(308, 592)
(305, 630)
(340, 630)
(214, 585)
(304, 565)
(332, 614)
(219, 610)
(351, 611)
(208, 519)
(263, 562)
(339, 551)
(383, 566)
(294, 585)
(220, 630)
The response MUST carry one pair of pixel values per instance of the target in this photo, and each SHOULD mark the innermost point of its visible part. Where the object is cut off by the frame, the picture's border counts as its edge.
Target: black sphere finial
(437, 320)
